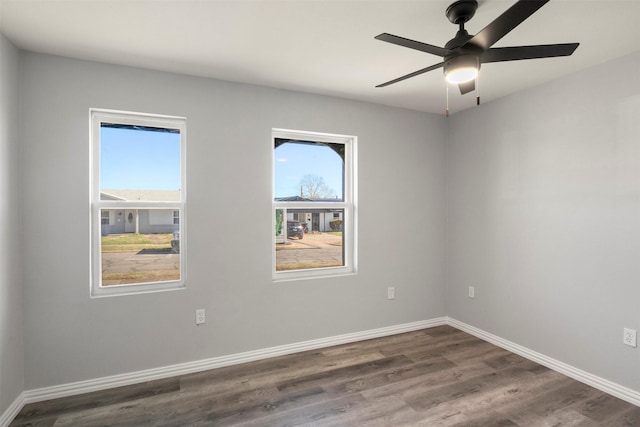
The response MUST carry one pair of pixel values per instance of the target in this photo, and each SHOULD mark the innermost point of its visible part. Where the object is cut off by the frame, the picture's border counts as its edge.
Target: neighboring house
(145, 221)
(316, 219)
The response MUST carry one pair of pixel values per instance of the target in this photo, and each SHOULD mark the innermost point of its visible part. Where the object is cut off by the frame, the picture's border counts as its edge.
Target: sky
(139, 160)
(145, 160)
(294, 161)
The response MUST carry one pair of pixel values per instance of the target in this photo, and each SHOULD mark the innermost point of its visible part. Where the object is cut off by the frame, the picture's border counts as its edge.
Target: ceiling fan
(463, 54)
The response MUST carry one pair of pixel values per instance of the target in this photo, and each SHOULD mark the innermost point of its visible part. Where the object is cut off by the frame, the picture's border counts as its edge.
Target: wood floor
(433, 377)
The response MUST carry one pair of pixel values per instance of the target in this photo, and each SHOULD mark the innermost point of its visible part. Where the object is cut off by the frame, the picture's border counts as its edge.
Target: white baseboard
(7, 416)
(594, 381)
(70, 389)
(80, 387)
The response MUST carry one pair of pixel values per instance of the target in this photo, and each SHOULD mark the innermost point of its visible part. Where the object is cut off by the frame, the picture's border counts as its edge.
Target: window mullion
(125, 204)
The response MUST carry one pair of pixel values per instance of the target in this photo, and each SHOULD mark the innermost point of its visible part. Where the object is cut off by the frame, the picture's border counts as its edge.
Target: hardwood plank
(602, 407)
(323, 412)
(235, 412)
(336, 375)
(464, 350)
(34, 422)
(386, 411)
(41, 412)
(460, 392)
(426, 382)
(389, 376)
(545, 405)
(491, 402)
(627, 418)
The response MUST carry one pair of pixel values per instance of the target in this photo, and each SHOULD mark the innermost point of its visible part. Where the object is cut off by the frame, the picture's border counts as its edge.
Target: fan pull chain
(478, 89)
(446, 113)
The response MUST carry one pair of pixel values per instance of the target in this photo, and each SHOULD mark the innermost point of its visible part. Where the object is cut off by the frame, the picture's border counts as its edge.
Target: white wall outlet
(472, 292)
(200, 319)
(391, 293)
(629, 337)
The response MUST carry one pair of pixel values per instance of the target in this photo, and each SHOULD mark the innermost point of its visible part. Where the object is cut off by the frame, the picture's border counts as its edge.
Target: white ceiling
(324, 47)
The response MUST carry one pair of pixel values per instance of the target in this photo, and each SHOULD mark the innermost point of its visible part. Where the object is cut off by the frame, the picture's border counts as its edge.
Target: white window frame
(96, 117)
(348, 204)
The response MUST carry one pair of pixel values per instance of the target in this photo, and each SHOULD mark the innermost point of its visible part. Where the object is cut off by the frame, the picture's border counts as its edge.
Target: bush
(336, 224)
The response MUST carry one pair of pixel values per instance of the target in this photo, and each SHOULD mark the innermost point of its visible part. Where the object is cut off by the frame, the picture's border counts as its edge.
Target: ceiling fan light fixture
(462, 75)
(461, 69)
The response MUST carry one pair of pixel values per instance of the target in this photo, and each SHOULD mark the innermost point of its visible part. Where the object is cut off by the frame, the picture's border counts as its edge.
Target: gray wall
(544, 218)
(69, 337)
(11, 332)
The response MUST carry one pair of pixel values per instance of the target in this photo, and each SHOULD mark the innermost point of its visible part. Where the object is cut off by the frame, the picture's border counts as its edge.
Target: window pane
(308, 170)
(311, 238)
(139, 158)
(138, 163)
(144, 257)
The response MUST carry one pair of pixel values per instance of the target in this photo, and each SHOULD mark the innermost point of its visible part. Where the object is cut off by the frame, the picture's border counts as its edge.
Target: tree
(313, 187)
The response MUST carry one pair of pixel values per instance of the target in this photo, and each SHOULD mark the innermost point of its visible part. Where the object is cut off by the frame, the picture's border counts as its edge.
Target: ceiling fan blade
(467, 87)
(516, 53)
(415, 73)
(504, 23)
(412, 44)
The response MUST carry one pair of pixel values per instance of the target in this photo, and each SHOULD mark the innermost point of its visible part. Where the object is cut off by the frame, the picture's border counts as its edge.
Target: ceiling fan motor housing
(463, 58)
(461, 11)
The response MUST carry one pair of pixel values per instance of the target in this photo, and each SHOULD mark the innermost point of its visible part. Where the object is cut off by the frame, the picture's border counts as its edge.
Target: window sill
(295, 278)
(125, 290)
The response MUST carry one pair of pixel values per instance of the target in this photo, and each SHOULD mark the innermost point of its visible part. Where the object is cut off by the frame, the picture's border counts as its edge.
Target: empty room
(319, 213)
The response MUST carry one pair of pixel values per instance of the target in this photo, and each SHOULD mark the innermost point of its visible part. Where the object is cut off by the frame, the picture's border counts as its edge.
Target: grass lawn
(135, 242)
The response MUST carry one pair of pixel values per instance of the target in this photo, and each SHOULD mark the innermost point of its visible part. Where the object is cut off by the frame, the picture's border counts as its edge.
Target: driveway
(125, 262)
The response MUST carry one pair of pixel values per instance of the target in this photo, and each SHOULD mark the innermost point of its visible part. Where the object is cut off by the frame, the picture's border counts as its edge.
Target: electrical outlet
(200, 319)
(472, 292)
(629, 337)
(391, 293)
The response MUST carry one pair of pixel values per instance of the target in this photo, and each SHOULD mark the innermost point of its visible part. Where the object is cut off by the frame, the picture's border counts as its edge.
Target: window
(104, 217)
(314, 209)
(137, 198)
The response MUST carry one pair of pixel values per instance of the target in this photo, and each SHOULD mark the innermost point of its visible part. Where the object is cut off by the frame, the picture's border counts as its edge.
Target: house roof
(292, 199)
(142, 195)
